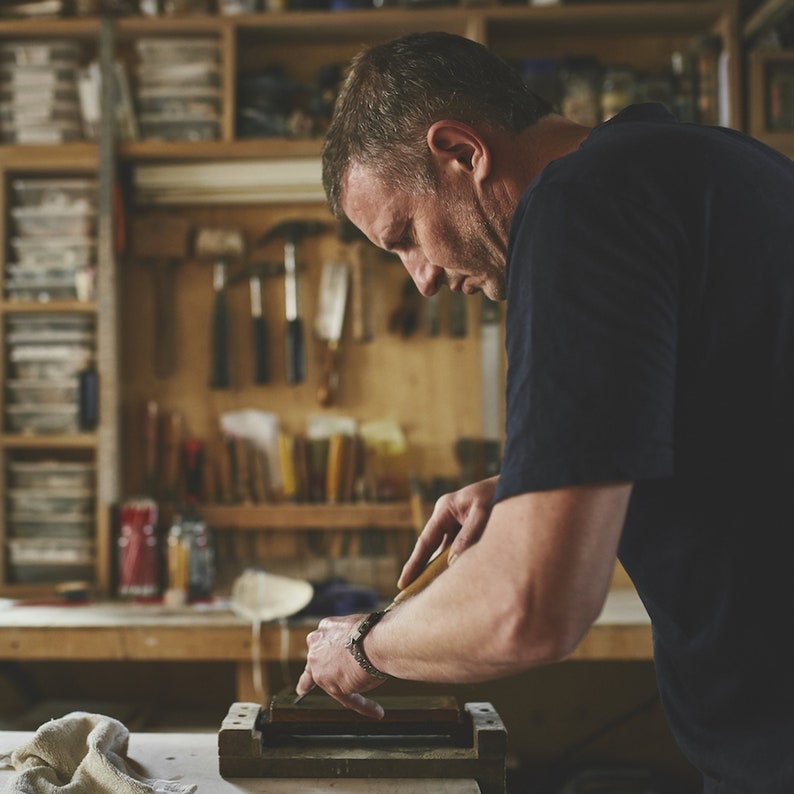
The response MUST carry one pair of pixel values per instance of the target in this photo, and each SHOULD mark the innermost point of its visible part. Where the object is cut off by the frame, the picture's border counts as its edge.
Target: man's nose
(428, 278)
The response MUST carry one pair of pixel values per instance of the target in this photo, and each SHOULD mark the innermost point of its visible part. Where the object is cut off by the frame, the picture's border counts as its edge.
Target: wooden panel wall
(430, 386)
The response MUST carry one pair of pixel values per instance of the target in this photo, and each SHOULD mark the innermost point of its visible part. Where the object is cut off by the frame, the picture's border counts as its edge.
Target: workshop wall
(429, 386)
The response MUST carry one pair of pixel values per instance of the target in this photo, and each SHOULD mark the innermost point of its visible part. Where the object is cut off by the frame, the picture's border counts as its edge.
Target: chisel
(220, 245)
(293, 231)
(431, 571)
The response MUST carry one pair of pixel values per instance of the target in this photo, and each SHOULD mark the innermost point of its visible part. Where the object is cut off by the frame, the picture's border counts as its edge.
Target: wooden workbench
(149, 632)
(193, 758)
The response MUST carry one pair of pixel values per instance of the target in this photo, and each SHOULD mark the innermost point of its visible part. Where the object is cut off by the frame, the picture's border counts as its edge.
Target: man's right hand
(458, 521)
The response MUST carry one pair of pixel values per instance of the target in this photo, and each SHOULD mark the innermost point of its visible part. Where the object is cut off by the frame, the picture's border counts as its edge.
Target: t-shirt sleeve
(591, 341)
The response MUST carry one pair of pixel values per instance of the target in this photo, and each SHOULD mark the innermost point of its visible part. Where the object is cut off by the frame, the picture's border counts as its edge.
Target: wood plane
(419, 737)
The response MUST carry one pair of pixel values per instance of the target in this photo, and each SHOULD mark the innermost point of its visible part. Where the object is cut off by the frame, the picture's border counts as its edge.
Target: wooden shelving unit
(433, 397)
(759, 63)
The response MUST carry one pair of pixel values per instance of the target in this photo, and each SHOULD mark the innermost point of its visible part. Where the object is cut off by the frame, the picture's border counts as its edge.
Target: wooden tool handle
(431, 571)
(329, 380)
(172, 444)
(220, 377)
(296, 366)
(260, 350)
(151, 449)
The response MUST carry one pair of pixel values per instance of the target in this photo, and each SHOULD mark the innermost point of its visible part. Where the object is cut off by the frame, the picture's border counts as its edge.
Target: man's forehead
(368, 201)
(358, 178)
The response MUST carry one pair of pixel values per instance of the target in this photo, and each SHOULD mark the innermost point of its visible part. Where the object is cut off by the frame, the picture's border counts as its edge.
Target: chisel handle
(329, 381)
(429, 573)
(260, 350)
(220, 377)
(296, 356)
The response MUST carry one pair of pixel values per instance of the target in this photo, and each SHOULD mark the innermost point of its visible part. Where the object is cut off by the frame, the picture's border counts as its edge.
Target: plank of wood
(193, 758)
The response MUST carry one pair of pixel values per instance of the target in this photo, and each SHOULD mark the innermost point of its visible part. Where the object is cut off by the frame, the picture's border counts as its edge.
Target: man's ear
(458, 146)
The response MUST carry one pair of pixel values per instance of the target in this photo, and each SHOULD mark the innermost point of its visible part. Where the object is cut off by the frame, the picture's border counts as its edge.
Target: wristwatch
(354, 644)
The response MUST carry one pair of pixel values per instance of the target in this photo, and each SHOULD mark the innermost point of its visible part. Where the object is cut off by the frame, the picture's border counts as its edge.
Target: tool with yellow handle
(429, 573)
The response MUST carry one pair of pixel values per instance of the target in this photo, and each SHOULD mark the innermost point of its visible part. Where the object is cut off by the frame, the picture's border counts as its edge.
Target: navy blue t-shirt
(650, 338)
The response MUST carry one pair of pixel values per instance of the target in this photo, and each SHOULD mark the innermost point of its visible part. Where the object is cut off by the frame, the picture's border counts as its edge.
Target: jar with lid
(617, 90)
(541, 76)
(581, 101)
(201, 579)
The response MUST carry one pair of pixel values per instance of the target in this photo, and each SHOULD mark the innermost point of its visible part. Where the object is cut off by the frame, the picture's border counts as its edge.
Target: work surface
(149, 632)
(193, 758)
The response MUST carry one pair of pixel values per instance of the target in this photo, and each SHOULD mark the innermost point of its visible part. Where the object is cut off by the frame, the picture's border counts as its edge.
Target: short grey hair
(394, 92)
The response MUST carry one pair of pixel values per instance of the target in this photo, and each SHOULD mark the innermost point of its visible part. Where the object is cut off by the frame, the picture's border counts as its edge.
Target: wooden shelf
(64, 441)
(766, 16)
(642, 34)
(252, 148)
(757, 61)
(47, 307)
(79, 27)
(641, 17)
(76, 156)
(387, 515)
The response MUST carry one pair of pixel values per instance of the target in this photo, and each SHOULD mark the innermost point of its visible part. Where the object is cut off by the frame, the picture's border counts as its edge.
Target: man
(648, 268)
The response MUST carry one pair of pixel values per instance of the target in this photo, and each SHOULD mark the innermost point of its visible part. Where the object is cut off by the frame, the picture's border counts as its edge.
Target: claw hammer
(293, 231)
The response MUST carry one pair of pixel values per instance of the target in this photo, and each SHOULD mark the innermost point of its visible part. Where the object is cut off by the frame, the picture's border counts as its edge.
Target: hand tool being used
(293, 231)
(220, 245)
(161, 240)
(328, 324)
(430, 572)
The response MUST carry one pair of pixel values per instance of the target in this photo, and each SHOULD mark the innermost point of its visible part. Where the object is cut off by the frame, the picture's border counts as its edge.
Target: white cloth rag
(81, 753)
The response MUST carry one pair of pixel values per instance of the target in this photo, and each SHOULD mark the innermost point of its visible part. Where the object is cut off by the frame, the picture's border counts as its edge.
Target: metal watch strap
(355, 640)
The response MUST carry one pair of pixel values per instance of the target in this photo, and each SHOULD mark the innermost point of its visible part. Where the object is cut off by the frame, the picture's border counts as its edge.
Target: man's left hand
(332, 667)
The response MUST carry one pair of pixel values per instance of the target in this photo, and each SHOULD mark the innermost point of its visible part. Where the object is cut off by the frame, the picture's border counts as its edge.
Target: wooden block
(247, 748)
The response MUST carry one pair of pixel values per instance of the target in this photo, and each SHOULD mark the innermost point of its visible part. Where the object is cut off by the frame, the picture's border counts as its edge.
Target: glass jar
(581, 100)
(617, 91)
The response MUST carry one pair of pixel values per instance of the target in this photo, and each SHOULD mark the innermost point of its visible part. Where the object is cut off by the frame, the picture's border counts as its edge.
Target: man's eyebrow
(395, 233)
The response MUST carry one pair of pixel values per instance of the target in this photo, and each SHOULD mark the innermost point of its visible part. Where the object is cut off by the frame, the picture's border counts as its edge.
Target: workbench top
(193, 758)
(132, 632)
(622, 608)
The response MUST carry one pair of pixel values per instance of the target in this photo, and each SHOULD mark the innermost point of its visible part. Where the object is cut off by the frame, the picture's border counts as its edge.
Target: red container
(137, 546)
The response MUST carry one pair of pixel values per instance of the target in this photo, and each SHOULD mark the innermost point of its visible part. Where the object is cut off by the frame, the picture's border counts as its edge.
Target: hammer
(219, 245)
(292, 231)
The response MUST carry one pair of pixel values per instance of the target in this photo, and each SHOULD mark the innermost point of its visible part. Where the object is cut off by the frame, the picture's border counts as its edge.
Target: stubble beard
(482, 233)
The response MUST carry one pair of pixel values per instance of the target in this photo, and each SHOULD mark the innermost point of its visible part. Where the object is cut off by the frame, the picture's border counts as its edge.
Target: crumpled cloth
(81, 753)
